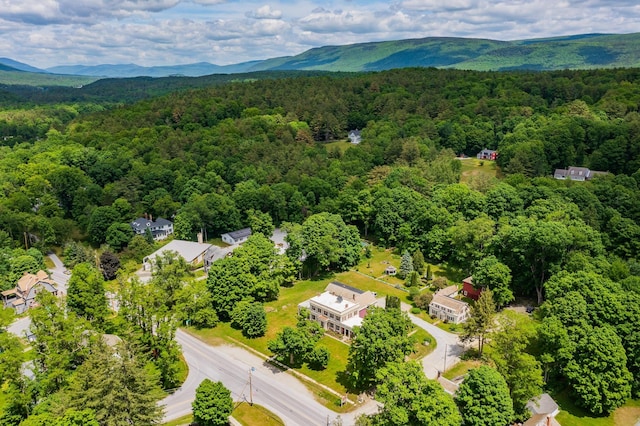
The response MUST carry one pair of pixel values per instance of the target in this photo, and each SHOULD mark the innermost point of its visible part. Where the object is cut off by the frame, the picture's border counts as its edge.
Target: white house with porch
(445, 307)
(340, 307)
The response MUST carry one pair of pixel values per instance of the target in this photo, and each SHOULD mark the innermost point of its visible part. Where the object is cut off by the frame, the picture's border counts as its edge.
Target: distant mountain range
(583, 51)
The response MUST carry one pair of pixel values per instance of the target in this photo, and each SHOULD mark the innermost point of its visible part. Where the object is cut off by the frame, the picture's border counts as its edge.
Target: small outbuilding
(236, 237)
(391, 270)
(469, 290)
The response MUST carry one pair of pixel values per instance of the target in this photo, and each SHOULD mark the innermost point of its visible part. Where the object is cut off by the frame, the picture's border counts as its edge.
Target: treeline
(206, 158)
(241, 154)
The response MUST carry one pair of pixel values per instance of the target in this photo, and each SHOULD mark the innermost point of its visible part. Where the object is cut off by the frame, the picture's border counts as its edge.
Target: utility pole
(250, 388)
(446, 347)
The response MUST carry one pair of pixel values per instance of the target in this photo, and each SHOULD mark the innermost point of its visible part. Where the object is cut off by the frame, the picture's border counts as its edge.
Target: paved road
(20, 327)
(448, 349)
(279, 392)
(57, 273)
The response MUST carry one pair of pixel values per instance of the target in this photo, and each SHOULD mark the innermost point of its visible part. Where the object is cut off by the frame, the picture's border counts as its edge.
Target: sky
(45, 33)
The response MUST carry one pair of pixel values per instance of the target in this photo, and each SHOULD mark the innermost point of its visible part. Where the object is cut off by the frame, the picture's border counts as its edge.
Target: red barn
(469, 290)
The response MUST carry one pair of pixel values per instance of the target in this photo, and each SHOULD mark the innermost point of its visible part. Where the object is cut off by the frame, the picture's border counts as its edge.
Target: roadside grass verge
(180, 421)
(255, 415)
(461, 368)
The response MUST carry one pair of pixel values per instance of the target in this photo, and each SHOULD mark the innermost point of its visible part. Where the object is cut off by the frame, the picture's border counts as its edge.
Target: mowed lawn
(255, 415)
(244, 413)
(283, 312)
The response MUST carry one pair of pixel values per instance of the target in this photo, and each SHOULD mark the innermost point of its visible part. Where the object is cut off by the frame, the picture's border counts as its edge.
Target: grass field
(249, 415)
(338, 145)
(473, 168)
(572, 415)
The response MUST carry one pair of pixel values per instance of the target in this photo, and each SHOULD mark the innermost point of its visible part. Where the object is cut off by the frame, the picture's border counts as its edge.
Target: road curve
(446, 353)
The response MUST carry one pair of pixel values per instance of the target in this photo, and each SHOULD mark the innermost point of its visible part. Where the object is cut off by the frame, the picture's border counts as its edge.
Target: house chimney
(200, 240)
(548, 420)
(151, 218)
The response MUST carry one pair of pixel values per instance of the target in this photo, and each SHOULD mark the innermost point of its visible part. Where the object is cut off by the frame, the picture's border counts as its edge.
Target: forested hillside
(211, 158)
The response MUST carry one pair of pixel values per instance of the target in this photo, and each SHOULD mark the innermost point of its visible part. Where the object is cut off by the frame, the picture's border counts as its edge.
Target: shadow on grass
(452, 273)
(567, 402)
(345, 379)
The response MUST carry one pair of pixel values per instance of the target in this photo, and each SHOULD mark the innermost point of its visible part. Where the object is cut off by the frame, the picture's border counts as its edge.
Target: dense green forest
(214, 158)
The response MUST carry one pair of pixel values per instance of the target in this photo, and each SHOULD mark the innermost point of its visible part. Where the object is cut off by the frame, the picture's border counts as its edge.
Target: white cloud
(437, 5)
(154, 32)
(264, 12)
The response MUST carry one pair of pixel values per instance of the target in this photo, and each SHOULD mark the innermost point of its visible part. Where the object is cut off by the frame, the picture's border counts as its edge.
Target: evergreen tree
(413, 279)
(481, 320)
(148, 235)
(418, 262)
(118, 388)
(406, 265)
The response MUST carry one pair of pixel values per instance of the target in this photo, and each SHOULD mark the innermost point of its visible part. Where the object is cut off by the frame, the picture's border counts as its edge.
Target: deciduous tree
(489, 272)
(250, 317)
(383, 338)
(86, 295)
(598, 373)
(410, 398)
(213, 404)
(483, 398)
(520, 369)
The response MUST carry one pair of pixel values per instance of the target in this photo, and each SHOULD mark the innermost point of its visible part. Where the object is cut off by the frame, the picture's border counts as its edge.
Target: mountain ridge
(579, 51)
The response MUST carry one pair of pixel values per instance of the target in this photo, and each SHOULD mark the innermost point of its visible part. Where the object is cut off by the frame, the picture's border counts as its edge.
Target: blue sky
(46, 33)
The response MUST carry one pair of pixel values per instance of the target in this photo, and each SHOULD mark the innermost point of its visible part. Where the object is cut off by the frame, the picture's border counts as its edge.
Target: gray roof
(240, 233)
(140, 224)
(189, 250)
(542, 404)
(344, 287)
